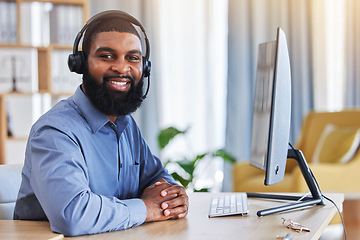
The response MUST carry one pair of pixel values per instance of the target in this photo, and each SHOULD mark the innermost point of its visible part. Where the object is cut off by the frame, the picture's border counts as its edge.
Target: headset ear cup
(72, 62)
(81, 60)
(76, 62)
(146, 68)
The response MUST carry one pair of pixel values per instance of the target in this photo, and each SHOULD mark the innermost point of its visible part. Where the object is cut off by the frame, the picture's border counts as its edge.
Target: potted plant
(188, 165)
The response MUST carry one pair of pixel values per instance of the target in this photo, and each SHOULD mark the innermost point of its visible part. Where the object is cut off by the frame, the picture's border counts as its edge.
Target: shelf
(49, 52)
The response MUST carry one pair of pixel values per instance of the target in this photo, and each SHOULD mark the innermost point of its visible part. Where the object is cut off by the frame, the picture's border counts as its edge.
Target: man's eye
(133, 58)
(106, 56)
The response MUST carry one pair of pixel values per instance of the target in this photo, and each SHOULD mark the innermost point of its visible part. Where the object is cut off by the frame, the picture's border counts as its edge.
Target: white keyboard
(229, 204)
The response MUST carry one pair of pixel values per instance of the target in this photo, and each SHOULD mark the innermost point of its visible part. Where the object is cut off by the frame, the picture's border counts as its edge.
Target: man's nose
(121, 66)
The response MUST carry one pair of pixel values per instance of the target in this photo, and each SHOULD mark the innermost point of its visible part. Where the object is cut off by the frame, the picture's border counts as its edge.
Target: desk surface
(197, 225)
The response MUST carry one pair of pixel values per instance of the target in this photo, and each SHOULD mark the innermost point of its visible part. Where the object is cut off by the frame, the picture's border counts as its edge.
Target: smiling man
(87, 168)
(113, 76)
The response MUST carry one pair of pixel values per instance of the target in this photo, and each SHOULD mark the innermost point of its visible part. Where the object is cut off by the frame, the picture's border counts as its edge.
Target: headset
(77, 59)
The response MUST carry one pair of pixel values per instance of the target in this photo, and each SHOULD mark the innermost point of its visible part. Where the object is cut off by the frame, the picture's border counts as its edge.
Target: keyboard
(229, 204)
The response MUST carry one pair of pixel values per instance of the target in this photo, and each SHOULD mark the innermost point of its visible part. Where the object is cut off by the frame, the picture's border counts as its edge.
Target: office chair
(10, 179)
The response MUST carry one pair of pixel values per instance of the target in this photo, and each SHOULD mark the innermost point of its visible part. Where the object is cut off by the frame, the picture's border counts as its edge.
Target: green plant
(188, 165)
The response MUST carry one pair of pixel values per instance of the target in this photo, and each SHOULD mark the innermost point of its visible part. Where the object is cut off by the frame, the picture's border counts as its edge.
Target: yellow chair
(331, 174)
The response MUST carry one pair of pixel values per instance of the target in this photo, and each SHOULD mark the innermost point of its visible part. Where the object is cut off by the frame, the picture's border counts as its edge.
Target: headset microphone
(76, 60)
(147, 89)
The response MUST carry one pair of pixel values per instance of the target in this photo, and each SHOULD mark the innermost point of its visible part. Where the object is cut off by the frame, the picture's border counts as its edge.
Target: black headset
(77, 58)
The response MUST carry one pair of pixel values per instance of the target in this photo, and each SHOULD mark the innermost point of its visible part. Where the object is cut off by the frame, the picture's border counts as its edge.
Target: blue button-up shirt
(84, 173)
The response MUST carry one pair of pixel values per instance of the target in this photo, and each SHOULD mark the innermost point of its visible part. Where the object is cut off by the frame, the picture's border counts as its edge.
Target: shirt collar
(95, 118)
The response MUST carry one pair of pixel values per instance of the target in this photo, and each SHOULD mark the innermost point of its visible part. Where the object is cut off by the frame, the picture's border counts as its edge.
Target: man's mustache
(120, 76)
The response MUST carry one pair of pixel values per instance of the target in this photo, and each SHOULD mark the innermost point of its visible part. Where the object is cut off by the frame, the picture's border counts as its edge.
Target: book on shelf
(18, 70)
(43, 23)
(23, 110)
(35, 23)
(63, 81)
(65, 22)
(8, 22)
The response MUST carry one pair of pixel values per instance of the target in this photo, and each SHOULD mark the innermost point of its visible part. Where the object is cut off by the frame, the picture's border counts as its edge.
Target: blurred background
(204, 59)
(204, 56)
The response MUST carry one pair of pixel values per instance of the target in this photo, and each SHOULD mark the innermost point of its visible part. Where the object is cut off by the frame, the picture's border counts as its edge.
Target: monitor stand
(315, 199)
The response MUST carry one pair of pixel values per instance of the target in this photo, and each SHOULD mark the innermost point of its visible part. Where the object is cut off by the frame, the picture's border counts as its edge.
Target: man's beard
(111, 102)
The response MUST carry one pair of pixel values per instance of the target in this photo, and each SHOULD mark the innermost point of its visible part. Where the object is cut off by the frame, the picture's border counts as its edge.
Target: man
(87, 168)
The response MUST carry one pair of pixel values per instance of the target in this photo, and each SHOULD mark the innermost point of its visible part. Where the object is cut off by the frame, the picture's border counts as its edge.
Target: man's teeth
(119, 83)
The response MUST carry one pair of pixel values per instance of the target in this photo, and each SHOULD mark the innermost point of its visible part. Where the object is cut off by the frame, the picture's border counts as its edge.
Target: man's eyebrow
(104, 49)
(135, 51)
(109, 49)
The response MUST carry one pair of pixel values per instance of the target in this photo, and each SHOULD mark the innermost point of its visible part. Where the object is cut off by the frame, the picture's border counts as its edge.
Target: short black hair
(111, 24)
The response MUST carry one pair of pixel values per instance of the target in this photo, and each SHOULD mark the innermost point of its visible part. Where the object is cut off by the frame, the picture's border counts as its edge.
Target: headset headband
(111, 14)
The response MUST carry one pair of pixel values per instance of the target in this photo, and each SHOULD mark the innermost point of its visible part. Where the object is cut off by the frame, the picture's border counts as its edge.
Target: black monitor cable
(330, 200)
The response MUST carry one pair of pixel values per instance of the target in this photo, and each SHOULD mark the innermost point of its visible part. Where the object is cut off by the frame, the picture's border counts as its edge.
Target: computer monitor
(272, 110)
(271, 124)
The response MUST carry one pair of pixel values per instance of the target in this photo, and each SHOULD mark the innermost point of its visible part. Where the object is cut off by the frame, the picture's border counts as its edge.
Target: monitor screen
(272, 109)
